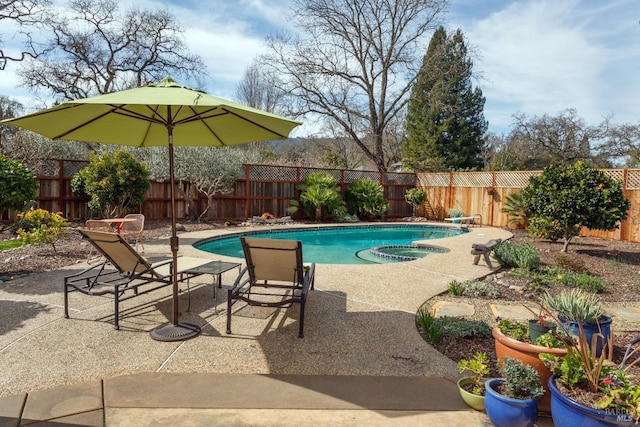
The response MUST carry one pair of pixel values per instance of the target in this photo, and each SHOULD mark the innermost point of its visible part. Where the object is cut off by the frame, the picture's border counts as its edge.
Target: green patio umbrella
(159, 114)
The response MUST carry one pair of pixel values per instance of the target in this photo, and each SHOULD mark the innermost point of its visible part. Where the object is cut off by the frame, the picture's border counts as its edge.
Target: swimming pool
(339, 245)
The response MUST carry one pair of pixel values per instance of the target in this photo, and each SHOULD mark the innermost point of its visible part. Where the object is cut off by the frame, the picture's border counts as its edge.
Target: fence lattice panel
(271, 173)
(514, 179)
(434, 179)
(472, 179)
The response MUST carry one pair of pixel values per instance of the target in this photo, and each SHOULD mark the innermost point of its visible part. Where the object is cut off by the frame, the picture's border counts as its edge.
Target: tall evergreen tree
(445, 120)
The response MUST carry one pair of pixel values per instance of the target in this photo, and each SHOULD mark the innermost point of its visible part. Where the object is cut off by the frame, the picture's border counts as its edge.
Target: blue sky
(531, 56)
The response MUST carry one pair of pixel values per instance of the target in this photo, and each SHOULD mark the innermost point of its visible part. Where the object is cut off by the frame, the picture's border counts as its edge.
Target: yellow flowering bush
(41, 226)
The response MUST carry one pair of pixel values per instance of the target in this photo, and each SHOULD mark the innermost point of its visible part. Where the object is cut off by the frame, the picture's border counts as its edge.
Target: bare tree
(93, 49)
(564, 138)
(354, 62)
(26, 15)
(259, 89)
(622, 142)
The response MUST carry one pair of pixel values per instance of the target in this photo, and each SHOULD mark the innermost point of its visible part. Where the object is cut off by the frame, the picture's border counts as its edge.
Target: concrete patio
(359, 330)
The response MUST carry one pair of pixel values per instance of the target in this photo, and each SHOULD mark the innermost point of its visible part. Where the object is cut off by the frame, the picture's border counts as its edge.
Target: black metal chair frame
(255, 291)
(111, 278)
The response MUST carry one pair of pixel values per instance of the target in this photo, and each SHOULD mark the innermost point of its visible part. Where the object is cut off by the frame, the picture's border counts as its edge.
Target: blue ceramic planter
(506, 412)
(590, 329)
(569, 413)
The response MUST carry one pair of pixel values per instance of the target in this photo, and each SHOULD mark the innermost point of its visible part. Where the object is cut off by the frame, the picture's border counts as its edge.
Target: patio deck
(359, 324)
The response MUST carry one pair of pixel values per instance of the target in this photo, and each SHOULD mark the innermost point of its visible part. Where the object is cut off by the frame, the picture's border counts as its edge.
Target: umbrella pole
(174, 331)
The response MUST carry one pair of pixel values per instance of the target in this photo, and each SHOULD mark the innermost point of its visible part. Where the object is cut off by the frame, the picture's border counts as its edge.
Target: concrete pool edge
(456, 263)
(218, 243)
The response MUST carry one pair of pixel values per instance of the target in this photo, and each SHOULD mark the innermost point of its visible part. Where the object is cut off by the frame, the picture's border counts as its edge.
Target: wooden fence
(484, 193)
(264, 188)
(268, 188)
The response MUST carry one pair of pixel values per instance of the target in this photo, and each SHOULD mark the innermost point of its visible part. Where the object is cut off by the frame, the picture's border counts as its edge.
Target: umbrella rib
(256, 124)
(80, 126)
(203, 115)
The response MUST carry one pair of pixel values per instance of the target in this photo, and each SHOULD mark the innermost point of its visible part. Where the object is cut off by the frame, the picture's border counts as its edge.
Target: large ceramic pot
(472, 400)
(528, 354)
(504, 411)
(566, 412)
(590, 329)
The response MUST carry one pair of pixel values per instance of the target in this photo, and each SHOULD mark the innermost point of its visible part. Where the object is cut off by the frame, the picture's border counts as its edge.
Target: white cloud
(542, 56)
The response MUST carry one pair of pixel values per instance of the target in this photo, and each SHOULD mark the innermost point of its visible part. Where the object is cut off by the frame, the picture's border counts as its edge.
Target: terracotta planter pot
(528, 354)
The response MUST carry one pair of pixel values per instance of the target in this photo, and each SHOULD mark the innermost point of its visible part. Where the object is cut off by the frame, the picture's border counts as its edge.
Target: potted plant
(472, 388)
(512, 340)
(579, 307)
(539, 326)
(588, 389)
(415, 197)
(456, 213)
(513, 400)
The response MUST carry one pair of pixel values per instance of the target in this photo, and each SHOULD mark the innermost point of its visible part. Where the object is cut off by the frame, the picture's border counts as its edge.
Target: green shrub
(320, 196)
(18, 185)
(415, 197)
(521, 381)
(517, 255)
(515, 208)
(365, 198)
(568, 197)
(430, 326)
(458, 327)
(513, 329)
(41, 226)
(478, 288)
(116, 184)
(565, 277)
(546, 228)
(456, 288)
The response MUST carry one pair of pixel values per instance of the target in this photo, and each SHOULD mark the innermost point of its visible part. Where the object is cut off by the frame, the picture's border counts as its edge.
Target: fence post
(247, 189)
(624, 224)
(62, 192)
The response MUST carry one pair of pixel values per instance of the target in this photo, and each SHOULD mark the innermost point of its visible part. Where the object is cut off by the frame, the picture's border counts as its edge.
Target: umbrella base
(179, 332)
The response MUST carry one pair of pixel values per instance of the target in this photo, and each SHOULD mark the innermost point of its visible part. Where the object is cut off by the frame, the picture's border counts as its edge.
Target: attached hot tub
(404, 252)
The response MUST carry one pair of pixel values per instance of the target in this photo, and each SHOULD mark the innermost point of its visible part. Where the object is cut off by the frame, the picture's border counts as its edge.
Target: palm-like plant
(515, 208)
(365, 198)
(319, 195)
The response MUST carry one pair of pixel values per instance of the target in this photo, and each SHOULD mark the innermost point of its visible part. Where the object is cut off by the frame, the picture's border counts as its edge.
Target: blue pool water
(337, 245)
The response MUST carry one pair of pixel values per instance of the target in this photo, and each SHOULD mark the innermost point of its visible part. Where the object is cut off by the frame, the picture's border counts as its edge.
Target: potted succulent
(512, 340)
(588, 389)
(471, 388)
(579, 307)
(456, 213)
(513, 400)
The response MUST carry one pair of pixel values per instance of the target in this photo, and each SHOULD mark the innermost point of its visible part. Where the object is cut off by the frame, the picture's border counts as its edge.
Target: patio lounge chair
(124, 273)
(95, 224)
(274, 277)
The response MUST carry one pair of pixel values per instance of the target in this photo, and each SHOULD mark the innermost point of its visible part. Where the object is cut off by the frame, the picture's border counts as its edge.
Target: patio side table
(215, 268)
